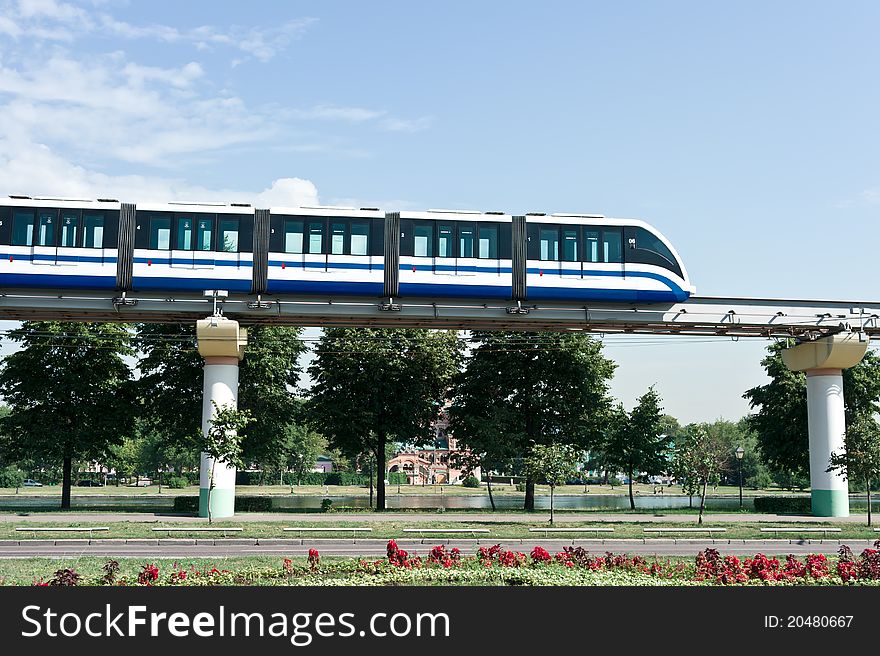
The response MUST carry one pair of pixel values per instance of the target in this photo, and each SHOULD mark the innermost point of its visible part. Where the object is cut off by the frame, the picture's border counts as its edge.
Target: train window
(93, 230)
(360, 231)
(316, 237)
(46, 230)
(337, 238)
(293, 237)
(465, 240)
(204, 232)
(570, 244)
(548, 236)
(160, 233)
(445, 240)
(423, 241)
(649, 241)
(227, 235)
(612, 245)
(23, 228)
(184, 233)
(591, 245)
(69, 229)
(488, 242)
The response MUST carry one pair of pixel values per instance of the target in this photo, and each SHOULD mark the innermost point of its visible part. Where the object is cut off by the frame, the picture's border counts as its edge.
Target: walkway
(419, 517)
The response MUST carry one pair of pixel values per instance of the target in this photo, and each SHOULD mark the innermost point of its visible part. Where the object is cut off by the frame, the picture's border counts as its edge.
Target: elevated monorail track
(705, 315)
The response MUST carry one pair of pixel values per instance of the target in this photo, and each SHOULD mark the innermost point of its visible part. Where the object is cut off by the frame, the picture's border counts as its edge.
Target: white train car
(55, 243)
(445, 253)
(193, 246)
(326, 250)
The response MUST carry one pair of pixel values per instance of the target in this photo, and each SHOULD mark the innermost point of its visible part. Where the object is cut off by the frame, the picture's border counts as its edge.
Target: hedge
(309, 478)
(783, 505)
(242, 504)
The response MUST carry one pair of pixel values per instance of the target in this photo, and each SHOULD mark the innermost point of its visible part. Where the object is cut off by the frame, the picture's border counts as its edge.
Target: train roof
(64, 203)
(330, 210)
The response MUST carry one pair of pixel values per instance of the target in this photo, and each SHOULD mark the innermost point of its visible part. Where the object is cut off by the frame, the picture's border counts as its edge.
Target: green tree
(635, 442)
(222, 442)
(780, 420)
(861, 459)
(553, 463)
(519, 389)
(68, 391)
(172, 379)
(170, 383)
(268, 379)
(300, 450)
(123, 457)
(698, 459)
(374, 386)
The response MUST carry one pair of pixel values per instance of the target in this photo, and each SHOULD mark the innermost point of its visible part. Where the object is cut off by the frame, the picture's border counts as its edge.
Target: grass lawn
(394, 529)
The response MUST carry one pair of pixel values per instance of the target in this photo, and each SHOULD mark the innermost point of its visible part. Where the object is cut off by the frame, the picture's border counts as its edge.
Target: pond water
(294, 503)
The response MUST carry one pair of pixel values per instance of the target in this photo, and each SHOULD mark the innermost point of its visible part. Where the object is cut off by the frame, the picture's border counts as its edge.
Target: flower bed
(498, 566)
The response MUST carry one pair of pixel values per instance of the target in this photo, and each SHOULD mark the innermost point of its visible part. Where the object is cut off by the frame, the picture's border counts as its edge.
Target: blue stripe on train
(182, 261)
(325, 287)
(333, 265)
(61, 280)
(453, 268)
(43, 257)
(190, 284)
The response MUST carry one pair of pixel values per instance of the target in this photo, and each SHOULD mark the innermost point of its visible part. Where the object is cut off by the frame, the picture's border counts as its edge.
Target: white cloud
(406, 125)
(871, 196)
(35, 170)
(59, 21)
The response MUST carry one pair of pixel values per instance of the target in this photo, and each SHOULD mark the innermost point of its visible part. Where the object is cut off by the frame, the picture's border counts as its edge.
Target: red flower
(314, 559)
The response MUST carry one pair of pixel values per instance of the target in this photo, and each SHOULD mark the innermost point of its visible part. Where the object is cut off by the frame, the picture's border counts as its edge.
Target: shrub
(11, 476)
(783, 505)
(186, 504)
(397, 478)
(471, 481)
(520, 487)
(253, 504)
(176, 482)
(326, 505)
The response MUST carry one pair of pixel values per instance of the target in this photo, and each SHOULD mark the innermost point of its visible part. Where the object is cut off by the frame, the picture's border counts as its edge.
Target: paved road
(152, 549)
(418, 517)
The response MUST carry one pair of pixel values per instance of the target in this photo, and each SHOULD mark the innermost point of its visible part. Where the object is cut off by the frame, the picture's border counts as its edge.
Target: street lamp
(740, 452)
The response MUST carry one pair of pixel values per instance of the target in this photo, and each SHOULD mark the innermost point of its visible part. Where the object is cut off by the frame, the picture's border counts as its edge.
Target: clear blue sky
(747, 132)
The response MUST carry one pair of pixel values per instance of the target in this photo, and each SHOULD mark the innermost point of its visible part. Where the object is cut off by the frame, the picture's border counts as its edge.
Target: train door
(444, 261)
(571, 266)
(228, 229)
(182, 244)
(489, 261)
(423, 247)
(466, 261)
(548, 251)
(357, 247)
(315, 251)
(68, 236)
(203, 245)
(294, 246)
(44, 250)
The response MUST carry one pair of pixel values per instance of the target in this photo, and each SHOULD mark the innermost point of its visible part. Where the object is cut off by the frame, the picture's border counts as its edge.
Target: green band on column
(222, 502)
(830, 503)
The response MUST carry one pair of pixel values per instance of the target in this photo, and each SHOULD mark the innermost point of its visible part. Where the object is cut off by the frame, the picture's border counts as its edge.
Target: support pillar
(823, 361)
(221, 343)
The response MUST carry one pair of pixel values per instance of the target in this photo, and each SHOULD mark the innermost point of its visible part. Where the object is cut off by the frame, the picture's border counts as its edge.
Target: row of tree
(72, 396)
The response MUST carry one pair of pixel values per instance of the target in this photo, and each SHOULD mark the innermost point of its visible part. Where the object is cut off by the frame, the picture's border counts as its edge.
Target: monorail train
(51, 243)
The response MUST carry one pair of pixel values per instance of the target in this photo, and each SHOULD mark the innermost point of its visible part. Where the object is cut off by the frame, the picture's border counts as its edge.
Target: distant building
(433, 463)
(323, 464)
